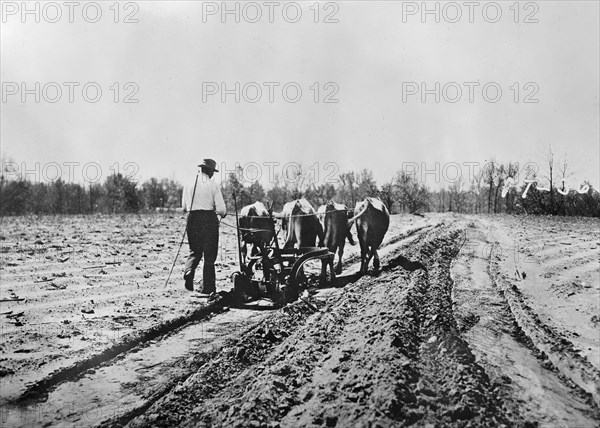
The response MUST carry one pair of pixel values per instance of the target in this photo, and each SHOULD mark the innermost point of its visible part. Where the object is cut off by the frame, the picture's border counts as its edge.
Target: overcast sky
(369, 57)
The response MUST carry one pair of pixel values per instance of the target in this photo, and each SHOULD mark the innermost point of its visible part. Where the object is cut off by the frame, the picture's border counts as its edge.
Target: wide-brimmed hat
(210, 164)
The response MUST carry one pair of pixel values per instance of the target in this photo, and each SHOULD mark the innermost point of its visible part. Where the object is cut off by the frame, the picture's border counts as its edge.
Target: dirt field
(473, 320)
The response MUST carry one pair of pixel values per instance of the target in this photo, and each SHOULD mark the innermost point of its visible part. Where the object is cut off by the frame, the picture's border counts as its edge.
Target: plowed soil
(472, 321)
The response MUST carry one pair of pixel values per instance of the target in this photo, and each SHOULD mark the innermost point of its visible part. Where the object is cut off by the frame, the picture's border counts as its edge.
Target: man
(204, 200)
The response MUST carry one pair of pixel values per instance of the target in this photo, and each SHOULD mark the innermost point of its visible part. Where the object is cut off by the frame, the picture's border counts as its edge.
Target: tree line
(493, 189)
(118, 194)
(503, 188)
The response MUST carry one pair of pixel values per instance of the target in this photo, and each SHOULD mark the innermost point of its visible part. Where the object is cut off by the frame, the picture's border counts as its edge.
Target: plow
(276, 276)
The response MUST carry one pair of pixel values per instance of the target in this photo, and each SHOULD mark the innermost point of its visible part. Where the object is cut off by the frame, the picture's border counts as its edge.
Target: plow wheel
(310, 270)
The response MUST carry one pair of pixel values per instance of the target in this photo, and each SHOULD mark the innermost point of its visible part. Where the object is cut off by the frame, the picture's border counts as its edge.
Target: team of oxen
(331, 224)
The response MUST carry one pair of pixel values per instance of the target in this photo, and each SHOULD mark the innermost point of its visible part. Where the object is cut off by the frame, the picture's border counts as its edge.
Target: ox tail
(349, 235)
(353, 219)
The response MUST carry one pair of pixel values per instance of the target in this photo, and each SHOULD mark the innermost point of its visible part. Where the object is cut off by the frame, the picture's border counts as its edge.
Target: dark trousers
(203, 237)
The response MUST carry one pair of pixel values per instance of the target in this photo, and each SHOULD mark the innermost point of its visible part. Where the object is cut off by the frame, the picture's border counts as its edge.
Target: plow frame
(281, 269)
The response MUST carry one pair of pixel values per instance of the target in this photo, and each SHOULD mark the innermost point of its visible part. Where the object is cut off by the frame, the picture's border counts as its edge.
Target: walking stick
(237, 228)
(184, 232)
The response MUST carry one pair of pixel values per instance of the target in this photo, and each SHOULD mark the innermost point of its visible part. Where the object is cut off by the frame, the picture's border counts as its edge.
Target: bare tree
(476, 185)
(387, 195)
(490, 177)
(563, 177)
(457, 196)
(550, 177)
(346, 190)
(499, 177)
(365, 184)
(441, 201)
(412, 195)
(512, 171)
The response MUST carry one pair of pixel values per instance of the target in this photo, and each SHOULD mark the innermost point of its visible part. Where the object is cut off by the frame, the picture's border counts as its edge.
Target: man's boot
(189, 281)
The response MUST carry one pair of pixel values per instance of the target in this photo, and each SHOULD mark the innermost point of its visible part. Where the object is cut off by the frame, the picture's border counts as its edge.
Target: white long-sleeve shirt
(208, 196)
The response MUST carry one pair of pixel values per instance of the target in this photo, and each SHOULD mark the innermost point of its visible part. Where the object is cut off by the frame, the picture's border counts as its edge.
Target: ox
(256, 228)
(334, 219)
(372, 222)
(299, 220)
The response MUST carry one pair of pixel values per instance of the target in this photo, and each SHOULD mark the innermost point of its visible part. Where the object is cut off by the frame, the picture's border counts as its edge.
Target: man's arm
(220, 207)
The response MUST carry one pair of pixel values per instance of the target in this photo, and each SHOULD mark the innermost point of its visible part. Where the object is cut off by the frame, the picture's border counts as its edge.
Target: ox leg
(376, 263)
(338, 268)
(363, 258)
(244, 251)
(369, 257)
(323, 271)
(323, 277)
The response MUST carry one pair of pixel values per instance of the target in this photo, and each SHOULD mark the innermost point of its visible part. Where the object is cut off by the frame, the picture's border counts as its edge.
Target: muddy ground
(473, 320)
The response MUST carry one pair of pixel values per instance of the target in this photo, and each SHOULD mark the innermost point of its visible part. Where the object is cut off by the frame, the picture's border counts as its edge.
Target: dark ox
(334, 219)
(256, 228)
(372, 222)
(299, 220)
